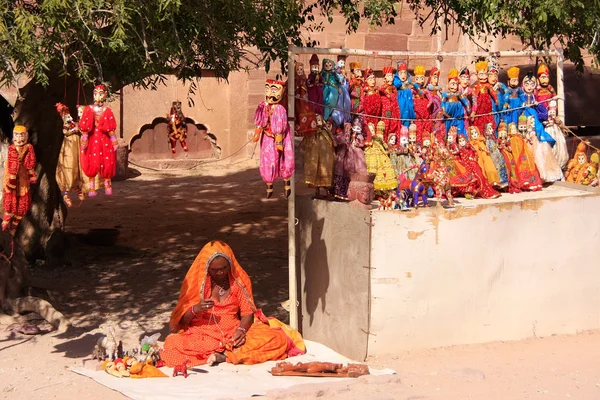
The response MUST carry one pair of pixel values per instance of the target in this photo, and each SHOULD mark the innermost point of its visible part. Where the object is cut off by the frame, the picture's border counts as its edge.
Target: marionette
(462, 182)
(544, 91)
(19, 175)
(499, 89)
(341, 177)
(483, 96)
(341, 114)
(422, 102)
(355, 160)
(68, 169)
(528, 176)
(533, 109)
(469, 157)
(403, 83)
(578, 164)
(394, 149)
(306, 123)
(389, 103)
(434, 95)
(414, 159)
(440, 176)
(273, 131)
(554, 129)
(483, 156)
(378, 161)
(319, 158)
(177, 128)
(513, 96)
(544, 158)
(315, 85)
(98, 142)
(371, 105)
(506, 152)
(499, 162)
(3, 156)
(464, 77)
(356, 86)
(455, 106)
(331, 88)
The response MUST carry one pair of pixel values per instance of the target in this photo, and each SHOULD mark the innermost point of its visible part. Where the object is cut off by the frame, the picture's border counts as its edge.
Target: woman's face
(371, 80)
(474, 133)
(435, 79)
(219, 269)
(581, 159)
(464, 80)
(493, 78)
(462, 141)
(529, 86)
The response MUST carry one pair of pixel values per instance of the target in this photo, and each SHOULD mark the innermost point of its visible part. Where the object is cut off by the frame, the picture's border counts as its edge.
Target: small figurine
(554, 129)
(378, 161)
(544, 91)
(19, 175)
(533, 109)
(544, 158)
(69, 175)
(484, 158)
(492, 144)
(356, 86)
(389, 103)
(422, 103)
(341, 114)
(500, 90)
(331, 88)
(98, 142)
(469, 158)
(306, 123)
(319, 158)
(527, 174)
(315, 86)
(181, 369)
(371, 105)
(403, 83)
(273, 132)
(177, 128)
(578, 164)
(455, 106)
(484, 97)
(341, 177)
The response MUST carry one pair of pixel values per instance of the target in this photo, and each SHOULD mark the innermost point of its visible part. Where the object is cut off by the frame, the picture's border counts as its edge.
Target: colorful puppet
(513, 96)
(544, 91)
(378, 161)
(341, 114)
(273, 131)
(319, 157)
(331, 88)
(469, 158)
(356, 86)
(177, 128)
(405, 95)
(422, 102)
(484, 98)
(528, 176)
(499, 162)
(389, 103)
(533, 109)
(455, 106)
(306, 123)
(544, 158)
(98, 142)
(484, 158)
(434, 95)
(69, 175)
(554, 128)
(371, 105)
(499, 89)
(315, 85)
(19, 174)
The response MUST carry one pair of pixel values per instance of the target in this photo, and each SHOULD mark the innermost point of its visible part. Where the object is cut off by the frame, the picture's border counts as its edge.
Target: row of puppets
(414, 138)
(87, 159)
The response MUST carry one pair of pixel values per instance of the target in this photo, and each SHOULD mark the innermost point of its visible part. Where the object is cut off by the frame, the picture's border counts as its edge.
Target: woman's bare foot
(215, 359)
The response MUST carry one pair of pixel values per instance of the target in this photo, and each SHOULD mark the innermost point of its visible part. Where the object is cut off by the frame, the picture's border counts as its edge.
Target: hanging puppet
(513, 96)
(544, 158)
(341, 114)
(422, 102)
(19, 174)
(499, 162)
(544, 90)
(528, 177)
(177, 128)
(554, 129)
(98, 142)
(319, 158)
(484, 97)
(355, 159)
(356, 86)
(331, 88)
(315, 85)
(434, 95)
(378, 161)
(537, 111)
(341, 178)
(455, 106)
(469, 158)
(484, 158)
(3, 156)
(306, 123)
(389, 103)
(273, 132)
(462, 182)
(499, 89)
(464, 77)
(371, 105)
(403, 83)
(506, 151)
(68, 170)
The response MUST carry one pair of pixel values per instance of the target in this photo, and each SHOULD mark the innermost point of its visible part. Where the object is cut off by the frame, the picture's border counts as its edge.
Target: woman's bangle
(192, 311)
(242, 329)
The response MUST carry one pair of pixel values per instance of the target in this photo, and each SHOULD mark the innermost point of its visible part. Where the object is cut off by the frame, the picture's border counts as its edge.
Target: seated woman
(216, 320)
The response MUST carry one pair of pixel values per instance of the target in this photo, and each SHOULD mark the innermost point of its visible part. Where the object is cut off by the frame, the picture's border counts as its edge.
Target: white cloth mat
(223, 381)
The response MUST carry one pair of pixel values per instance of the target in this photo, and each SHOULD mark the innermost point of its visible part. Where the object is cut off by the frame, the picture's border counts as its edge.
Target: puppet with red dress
(19, 174)
(484, 97)
(177, 128)
(422, 104)
(389, 103)
(544, 91)
(98, 142)
(357, 83)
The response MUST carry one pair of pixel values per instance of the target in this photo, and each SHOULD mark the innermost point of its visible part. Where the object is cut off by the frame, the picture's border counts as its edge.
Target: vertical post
(121, 109)
(560, 86)
(293, 283)
(438, 40)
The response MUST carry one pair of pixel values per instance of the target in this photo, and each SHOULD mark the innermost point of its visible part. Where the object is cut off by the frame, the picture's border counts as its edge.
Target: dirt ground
(163, 219)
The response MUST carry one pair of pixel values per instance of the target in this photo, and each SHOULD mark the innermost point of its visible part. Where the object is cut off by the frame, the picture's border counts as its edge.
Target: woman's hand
(238, 338)
(205, 305)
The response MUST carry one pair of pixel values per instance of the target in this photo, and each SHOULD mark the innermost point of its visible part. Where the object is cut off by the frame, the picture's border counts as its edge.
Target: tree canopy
(135, 41)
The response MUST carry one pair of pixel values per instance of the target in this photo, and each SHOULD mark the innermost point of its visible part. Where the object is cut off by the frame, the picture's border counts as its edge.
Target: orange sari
(211, 331)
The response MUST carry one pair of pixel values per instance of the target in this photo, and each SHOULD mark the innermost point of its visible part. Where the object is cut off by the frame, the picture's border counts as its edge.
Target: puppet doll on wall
(19, 174)
(319, 158)
(484, 97)
(544, 158)
(306, 123)
(434, 95)
(98, 142)
(513, 96)
(499, 162)
(177, 128)
(456, 106)
(464, 77)
(499, 89)
(544, 91)
(273, 132)
(315, 85)
(331, 88)
(403, 83)
(528, 176)
(554, 129)
(462, 181)
(341, 114)
(538, 112)
(68, 170)
(341, 177)
(356, 86)
(506, 152)
(484, 158)
(371, 105)
(355, 160)
(422, 102)
(469, 158)
(378, 161)
(389, 103)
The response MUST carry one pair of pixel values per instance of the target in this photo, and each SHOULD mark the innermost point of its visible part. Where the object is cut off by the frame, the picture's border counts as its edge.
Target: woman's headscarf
(193, 285)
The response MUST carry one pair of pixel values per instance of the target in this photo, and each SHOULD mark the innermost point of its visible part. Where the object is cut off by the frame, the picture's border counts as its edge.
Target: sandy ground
(163, 219)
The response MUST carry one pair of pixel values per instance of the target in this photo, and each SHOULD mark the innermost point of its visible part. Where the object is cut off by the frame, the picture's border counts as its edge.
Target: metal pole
(560, 86)
(359, 52)
(293, 283)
